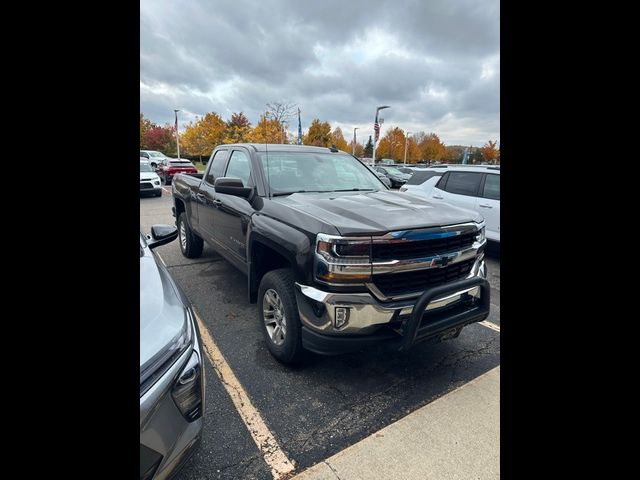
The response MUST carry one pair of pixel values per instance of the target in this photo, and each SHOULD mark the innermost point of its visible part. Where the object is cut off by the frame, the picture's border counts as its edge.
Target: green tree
(319, 134)
(368, 149)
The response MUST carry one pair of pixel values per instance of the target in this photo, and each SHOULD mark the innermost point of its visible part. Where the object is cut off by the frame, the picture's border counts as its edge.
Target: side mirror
(232, 186)
(162, 234)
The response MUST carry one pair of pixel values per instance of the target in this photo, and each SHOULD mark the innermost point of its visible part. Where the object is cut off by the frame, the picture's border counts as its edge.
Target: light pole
(177, 136)
(406, 139)
(354, 141)
(376, 128)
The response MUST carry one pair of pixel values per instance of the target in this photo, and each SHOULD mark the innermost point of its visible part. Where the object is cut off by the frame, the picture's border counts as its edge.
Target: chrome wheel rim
(183, 236)
(275, 320)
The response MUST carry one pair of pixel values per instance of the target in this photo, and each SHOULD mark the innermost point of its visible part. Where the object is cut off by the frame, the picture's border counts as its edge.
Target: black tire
(159, 194)
(192, 245)
(281, 281)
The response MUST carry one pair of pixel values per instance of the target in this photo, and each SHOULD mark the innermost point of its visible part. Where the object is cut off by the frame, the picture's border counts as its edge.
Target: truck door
(232, 213)
(205, 194)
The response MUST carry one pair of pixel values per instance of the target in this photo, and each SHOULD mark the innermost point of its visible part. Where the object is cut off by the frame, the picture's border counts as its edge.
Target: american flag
(376, 129)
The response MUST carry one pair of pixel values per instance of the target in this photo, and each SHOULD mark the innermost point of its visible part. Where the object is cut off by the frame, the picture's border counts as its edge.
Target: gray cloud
(436, 63)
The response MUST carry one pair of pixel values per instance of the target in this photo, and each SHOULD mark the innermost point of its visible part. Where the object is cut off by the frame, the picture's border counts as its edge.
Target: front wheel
(190, 244)
(279, 317)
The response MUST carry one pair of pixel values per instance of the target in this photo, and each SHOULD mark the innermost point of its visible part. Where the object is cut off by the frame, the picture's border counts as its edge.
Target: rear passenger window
(418, 177)
(492, 187)
(443, 181)
(463, 183)
(218, 162)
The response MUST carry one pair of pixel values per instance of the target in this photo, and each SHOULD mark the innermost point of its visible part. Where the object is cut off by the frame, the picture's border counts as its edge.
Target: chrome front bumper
(366, 313)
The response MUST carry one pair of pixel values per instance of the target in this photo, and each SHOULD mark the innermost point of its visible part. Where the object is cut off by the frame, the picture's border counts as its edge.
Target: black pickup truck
(335, 260)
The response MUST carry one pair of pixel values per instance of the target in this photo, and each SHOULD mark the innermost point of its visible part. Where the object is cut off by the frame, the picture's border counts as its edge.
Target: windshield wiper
(279, 194)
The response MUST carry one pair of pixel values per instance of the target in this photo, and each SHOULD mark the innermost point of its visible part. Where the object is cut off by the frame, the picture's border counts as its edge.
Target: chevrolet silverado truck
(335, 260)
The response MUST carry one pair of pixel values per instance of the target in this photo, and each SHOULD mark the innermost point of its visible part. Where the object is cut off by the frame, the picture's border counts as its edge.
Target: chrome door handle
(484, 205)
(437, 196)
(217, 202)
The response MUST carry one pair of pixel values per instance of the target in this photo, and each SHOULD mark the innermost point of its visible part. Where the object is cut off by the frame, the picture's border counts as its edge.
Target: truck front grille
(392, 284)
(421, 248)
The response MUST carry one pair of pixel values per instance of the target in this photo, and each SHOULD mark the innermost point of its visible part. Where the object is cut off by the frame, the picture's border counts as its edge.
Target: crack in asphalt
(359, 408)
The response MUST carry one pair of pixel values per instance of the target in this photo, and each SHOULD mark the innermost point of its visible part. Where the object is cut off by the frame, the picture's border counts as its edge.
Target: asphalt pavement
(330, 403)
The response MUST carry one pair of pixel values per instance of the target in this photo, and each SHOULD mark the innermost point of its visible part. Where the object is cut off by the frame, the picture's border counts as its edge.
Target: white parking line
(273, 455)
(490, 325)
(168, 191)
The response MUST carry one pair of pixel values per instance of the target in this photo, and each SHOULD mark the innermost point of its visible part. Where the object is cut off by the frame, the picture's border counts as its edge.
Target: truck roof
(281, 147)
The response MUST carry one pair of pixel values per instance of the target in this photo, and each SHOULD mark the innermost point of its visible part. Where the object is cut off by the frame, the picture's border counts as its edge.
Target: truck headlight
(481, 235)
(343, 260)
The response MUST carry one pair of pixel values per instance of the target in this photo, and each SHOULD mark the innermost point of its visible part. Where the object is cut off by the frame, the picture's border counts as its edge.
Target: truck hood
(162, 312)
(357, 213)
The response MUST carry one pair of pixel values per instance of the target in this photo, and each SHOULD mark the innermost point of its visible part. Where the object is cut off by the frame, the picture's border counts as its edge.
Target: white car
(476, 187)
(153, 156)
(149, 180)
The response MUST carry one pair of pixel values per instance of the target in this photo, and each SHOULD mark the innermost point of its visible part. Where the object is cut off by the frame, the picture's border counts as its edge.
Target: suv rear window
(418, 177)
(463, 183)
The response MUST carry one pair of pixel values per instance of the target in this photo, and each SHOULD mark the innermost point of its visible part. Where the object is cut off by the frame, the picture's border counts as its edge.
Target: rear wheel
(279, 317)
(190, 244)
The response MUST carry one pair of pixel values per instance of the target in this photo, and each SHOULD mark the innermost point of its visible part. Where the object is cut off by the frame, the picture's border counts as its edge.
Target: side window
(442, 184)
(463, 183)
(492, 187)
(239, 167)
(144, 154)
(218, 162)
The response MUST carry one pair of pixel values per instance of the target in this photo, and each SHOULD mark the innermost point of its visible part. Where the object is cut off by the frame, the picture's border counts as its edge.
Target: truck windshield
(290, 172)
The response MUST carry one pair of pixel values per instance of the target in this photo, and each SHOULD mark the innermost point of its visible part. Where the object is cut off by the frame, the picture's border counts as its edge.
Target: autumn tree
(337, 139)
(268, 130)
(319, 134)
(359, 150)
(490, 151)
(431, 148)
(203, 136)
(161, 138)
(391, 145)
(368, 149)
(145, 126)
(237, 128)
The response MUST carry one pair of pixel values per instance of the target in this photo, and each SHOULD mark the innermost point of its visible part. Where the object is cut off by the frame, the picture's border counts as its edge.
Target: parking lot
(322, 407)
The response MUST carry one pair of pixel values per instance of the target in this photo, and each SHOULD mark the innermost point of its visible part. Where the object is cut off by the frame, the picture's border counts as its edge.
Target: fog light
(341, 317)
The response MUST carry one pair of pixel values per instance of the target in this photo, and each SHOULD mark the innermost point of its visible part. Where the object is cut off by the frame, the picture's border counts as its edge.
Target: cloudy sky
(436, 62)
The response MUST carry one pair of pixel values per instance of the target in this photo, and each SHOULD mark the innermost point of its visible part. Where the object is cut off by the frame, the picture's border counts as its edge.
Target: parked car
(172, 383)
(380, 175)
(397, 177)
(387, 161)
(407, 170)
(422, 181)
(153, 156)
(335, 260)
(149, 180)
(170, 167)
(476, 187)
